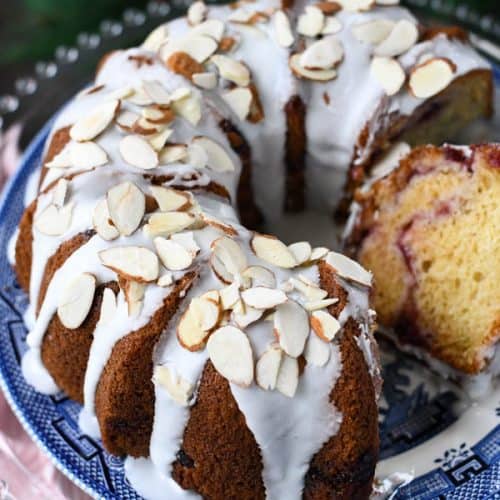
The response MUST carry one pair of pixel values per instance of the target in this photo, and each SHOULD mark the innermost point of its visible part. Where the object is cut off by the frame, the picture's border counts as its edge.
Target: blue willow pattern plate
(428, 428)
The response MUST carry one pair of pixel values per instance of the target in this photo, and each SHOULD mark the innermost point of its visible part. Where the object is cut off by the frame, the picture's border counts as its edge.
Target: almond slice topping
(240, 101)
(54, 221)
(126, 206)
(197, 13)
(267, 368)
(87, 155)
(170, 199)
(189, 108)
(431, 77)
(227, 259)
(134, 295)
(199, 47)
(131, 262)
(388, 73)
(317, 352)
(108, 307)
(165, 280)
(319, 75)
(187, 240)
(91, 125)
(101, 221)
(156, 91)
(246, 315)
(318, 253)
(349, 269)
(159, 139)
(324, 325)
(311, 22)
(374, 32)
(126, 120)
(356, 5)
(137, 152)
(231, 355)
(214, 28)
(283, 31)
(167, 223)
(179, 389)
(323, 54)
(76, 300)
(232, 70)
(310, 290)
(218, 159)
(195, 324)
(288, 376)
(332, 26)
(301, 251)
(402, 37)
(260, 276)
(272, 250)
(291, 325)
(316, 305)
(173, 153)
(229, 295)
(261, 297)
(206, 80)
(218, 224)
(156, 39)
(61, 159)
(172, 254)
(139, 97)
(59, 193)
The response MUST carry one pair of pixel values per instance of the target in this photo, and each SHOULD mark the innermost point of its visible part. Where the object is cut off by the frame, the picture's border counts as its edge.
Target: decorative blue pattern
(410, 414)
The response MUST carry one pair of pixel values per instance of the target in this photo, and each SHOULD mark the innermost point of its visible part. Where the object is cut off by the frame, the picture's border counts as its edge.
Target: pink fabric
(25, 472)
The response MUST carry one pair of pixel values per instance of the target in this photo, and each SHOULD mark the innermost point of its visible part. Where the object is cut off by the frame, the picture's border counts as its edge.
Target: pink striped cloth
(25, 472)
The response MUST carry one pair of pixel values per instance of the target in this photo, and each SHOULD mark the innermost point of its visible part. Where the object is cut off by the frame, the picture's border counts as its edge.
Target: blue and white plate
(429, 429)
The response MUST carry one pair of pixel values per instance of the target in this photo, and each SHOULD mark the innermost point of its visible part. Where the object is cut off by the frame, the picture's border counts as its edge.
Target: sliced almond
(188, 108)
(170, 199)
(54, 221)
(207, 311)
(267, 368)
(121, 92)
(108, 307)
(87, 155)
(186, 239)
(61, 159)
(319, 75)
(272, 250)
(212, 295)
(374, 31)
(349, 269)
(95, 122)
(403, 36)
(227, 259)
(323, 54)
(126, 120)
(291, 325)
(301, 251)
(172, 254)
(241, 16)
(324, 325)
(126, 206)
(183, 64)
(232, 70)
(158, 115)
(231, 354)
(197, 13)
(317, 352)
(356, 5)
(156, 38)
(229, 295)
(60, 192)
(388, 73)
(190, 333)
(246, 316)
(217, 157)
(159, 139)
(227, 44)
(387, 2)
(131, 262)
(431, 77)
(178, 388)
(282, 29)
(199, 47)
(332, 26)
(197, 157)
(260, 276)
(206, 80)
(101, 221)
(214, 28)
(240, 101)
(166, 279)
(261, 297)
(310, 290)
(134, 295)
(218, 224)
(319, 253)
(76, 300)
(288, 376)
(137, 152)
(316, 305)
(173, 153)
(311, 22)
(140, 97)
(167, 223)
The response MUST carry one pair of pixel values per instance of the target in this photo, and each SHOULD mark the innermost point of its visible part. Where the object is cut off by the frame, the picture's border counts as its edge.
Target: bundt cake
(434, 221)
(224, 362)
